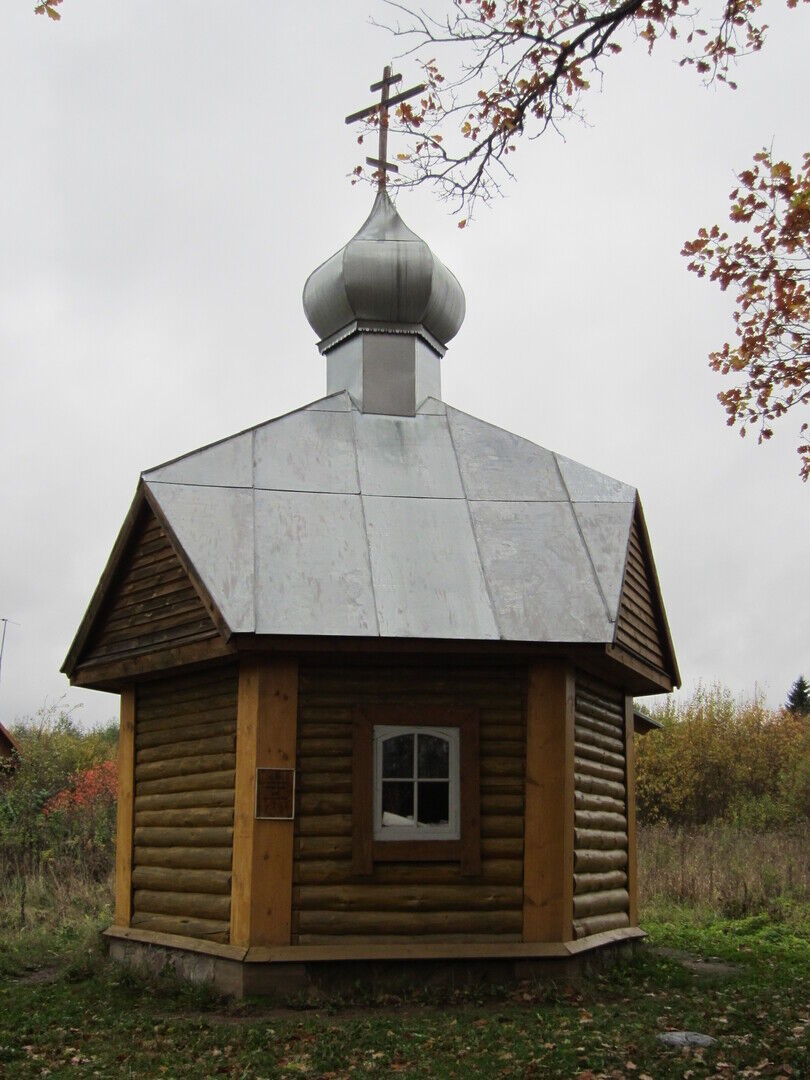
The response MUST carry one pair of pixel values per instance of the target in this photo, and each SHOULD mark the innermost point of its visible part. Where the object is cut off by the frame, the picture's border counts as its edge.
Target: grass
(66, 1011)
(95, 1019)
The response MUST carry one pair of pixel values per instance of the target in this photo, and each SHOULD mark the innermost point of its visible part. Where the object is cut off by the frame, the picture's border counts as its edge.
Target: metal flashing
(408, 457)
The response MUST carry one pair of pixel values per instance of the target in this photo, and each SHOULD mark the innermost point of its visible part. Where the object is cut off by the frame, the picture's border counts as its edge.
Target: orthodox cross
(388, 80)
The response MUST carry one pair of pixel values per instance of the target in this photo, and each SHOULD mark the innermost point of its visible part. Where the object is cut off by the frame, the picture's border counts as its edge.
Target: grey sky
(172, 172)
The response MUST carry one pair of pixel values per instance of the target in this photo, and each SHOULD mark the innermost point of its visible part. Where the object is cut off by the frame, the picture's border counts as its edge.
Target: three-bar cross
(388, 80)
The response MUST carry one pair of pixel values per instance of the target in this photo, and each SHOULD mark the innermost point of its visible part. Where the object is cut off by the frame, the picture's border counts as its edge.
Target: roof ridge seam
(490, 598)
(582, 537)
(255, 589)
(365, 525)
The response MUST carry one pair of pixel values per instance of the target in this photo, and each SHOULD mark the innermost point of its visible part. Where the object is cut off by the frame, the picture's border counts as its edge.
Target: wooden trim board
(406, 951)
(267, 716)
(548, 850)
(126, 809)
(630, 788)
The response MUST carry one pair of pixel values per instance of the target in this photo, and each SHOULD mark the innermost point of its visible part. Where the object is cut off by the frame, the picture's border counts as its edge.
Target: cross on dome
(382, 165)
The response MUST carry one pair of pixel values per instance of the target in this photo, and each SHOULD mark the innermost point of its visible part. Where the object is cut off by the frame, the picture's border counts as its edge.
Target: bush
(719, 758)
(58, 802)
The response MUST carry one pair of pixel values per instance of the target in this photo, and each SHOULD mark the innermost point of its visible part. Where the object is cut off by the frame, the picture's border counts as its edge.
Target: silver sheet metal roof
(332, 522)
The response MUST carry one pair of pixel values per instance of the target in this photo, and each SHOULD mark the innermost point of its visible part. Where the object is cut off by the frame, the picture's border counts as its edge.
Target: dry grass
(726, 869)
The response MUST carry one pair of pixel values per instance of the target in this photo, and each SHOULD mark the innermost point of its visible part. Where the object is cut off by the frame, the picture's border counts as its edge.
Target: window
(415, 791)
(416, 783)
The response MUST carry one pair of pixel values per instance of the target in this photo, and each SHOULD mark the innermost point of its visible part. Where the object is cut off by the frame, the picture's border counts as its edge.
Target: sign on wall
(275, 794)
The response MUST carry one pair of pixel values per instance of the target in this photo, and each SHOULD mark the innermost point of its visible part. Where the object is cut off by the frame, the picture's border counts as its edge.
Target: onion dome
(385, 276)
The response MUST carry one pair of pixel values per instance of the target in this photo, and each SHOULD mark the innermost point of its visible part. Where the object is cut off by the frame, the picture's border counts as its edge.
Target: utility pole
(5, 623)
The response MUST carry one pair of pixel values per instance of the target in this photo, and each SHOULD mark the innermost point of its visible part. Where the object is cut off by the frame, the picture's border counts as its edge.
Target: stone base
(281, 973)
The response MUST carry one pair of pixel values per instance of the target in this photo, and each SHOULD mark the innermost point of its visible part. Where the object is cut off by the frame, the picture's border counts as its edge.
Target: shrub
(717, 757)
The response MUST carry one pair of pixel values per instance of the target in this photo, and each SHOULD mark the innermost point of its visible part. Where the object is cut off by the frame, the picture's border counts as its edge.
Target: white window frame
(451, 831)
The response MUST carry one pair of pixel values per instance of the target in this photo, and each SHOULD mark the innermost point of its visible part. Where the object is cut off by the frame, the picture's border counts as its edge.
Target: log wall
(639, 624)
(411, 901)
(151, 604)
(185, 753)
(601, 896)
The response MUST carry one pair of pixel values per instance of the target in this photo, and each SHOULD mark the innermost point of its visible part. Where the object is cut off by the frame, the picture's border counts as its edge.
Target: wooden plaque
(275, 794)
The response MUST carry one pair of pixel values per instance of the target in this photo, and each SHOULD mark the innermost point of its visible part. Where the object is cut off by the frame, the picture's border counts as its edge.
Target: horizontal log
(185, 817)
(306, 783)
(501, 803)
(595, 785)
(501, 766)
(588, 706)
(185, 766)
(595, 753)
(598, 924)
(584, 800)
(179, 837)
(493, 825)
(407, 898)
(337, 746)
(503, 748)
(193, 905)
(207, 744)
(200, 858)
(589, 860)
(501, 785)
(410, 922)
(180, 799)
(204, 781)
(325, 764)
(208, 929)
(597, 769)
(599, 726)
(337, 872)
(586, 883)
(324, 825)
(322, 847)
(200, 730)
(509, 732)
(600, 819)
(600, 903)
(174, 879)
(502, 848)
(324, 803)
(169, 718)
(199, 687)
(599, 839)
(584, 734)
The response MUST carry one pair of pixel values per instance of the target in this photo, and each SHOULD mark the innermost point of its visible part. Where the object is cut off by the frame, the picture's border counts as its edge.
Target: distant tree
(798, 701)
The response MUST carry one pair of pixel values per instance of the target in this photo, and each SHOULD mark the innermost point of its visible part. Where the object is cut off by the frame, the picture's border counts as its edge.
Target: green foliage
(717, 757)
(54, 754)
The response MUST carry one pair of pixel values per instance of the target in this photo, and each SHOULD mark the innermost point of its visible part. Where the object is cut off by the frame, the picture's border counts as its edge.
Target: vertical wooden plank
(630, 784)
(469, 767)
(267, 717)
(548, 854)
(247, 713)
(362, 793)
(126, 807)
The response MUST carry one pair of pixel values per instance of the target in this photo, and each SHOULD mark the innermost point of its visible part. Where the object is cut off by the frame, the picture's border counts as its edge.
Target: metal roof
(333, 522)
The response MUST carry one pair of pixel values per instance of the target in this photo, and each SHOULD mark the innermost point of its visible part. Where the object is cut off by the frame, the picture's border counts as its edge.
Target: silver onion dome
(385, 275)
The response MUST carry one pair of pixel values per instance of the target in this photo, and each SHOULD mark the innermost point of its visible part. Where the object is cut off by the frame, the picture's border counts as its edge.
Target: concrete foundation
(282, 973)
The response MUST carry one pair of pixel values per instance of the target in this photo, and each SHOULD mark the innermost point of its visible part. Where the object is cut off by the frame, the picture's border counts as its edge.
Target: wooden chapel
(377, 661)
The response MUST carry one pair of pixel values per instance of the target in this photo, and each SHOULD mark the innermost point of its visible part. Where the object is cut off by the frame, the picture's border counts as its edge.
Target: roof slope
(329, 521)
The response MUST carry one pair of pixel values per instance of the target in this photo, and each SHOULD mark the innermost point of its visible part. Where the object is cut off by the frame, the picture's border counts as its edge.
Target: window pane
(434, 803)
(397, 803)
(434, 757)
(398, 756)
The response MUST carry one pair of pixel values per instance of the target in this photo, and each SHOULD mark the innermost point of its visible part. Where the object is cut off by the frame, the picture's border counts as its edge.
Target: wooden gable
(150, 604)
(641, 625)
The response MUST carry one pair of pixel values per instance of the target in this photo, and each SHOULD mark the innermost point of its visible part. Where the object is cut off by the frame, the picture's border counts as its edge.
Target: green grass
(96, 1019)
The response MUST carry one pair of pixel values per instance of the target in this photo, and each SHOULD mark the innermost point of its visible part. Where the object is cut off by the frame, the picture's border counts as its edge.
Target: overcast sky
(171, 173)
